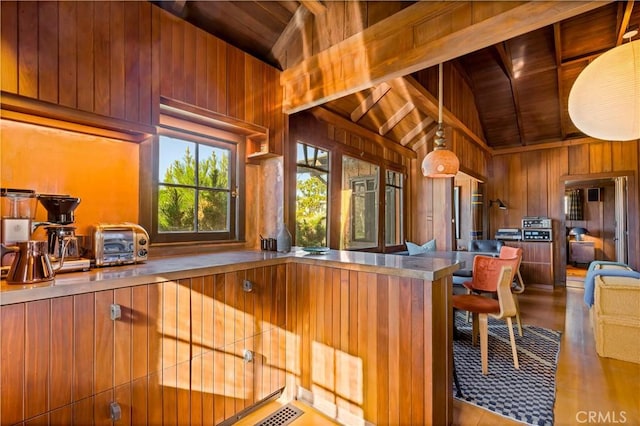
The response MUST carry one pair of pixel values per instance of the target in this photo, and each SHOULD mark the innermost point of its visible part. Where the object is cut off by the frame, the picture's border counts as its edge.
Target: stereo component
(513, 234)
(536, 222)
(537, 235)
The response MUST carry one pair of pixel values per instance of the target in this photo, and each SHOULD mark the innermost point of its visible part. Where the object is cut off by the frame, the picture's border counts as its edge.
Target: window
(196, 191)
(312, 179)
(393, 218)
(360, 183)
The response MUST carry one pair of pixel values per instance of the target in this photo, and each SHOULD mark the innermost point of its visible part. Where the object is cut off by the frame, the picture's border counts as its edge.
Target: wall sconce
(499, 202)
(578, 232)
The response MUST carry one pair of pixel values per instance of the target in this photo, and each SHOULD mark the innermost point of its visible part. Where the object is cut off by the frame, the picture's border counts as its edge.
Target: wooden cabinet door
(12, 360)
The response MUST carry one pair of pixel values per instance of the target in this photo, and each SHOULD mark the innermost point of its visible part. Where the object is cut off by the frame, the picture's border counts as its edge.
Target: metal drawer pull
(116, 311)
(247, 286)
(247, 355)
(115, 411)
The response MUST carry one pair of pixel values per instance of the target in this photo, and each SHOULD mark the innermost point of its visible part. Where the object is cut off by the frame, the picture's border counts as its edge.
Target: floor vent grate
(281, 417)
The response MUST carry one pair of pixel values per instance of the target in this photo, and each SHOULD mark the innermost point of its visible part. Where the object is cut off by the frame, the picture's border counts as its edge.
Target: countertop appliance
(61, 234)
(119, 244)
(17, 212)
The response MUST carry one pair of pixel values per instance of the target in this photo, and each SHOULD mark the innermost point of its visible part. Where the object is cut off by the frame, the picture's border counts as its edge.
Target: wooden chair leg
(515, 300)
(474, 329)
(514, 349)
(484, 342)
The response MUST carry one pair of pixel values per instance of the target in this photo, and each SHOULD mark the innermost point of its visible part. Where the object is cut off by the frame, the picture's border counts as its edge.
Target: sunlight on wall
(103, 172)
(230, 331)
(337, 383)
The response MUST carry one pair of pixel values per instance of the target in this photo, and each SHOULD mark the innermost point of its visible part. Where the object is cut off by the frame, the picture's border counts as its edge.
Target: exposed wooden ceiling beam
(505, 58)
(419, 128)
(425, 138)
(396, 118)
(314, 6)
(419, 36)
(626, 16)
(373, 98)
(409, 88)
(295, 25)
(547, 145)
(557, 45)
(327, 116)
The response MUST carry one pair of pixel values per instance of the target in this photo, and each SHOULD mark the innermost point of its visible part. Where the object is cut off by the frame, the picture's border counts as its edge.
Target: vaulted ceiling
(518, 77)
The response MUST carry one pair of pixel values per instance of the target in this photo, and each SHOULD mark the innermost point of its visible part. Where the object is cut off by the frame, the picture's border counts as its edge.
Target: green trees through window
(193, 198)
(312, 177)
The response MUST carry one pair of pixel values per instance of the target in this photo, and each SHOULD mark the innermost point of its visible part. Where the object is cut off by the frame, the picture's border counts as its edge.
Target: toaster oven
(119, 244)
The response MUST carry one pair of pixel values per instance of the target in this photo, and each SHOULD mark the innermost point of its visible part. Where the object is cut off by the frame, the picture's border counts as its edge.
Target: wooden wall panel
(367, 344)
(48, 51)
(37, 347)
(101, 60)
(12, 354)
(27, 49)
(85, 56)
(67, 54)
(83, 341)
(201, 70)
(117, 93)
(104, 342)
(532, 183)
(60, 369)
(9, 46)
(122, 344)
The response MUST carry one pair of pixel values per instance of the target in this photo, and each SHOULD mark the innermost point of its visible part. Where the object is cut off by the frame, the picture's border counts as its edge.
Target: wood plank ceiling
(520, 85)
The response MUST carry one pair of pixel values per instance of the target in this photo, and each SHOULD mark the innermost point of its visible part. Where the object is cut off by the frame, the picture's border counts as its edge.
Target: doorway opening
(595, 224)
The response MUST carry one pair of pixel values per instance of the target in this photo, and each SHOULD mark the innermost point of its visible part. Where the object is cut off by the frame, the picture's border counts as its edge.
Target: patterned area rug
(527, 394)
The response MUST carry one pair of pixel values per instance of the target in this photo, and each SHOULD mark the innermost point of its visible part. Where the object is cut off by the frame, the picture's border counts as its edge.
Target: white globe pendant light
(604, 101)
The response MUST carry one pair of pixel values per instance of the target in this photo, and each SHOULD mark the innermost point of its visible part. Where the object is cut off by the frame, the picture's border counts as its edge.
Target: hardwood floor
(589, 389)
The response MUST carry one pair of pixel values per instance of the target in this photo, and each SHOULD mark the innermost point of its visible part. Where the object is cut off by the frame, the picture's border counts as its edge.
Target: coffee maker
(61, 233)
(17, 212)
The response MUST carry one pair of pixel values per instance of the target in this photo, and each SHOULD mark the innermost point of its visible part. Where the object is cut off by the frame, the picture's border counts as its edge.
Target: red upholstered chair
(492, 275)
(514, 256)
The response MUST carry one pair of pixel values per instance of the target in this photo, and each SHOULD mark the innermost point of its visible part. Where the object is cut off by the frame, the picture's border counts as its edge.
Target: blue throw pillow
(416, 249)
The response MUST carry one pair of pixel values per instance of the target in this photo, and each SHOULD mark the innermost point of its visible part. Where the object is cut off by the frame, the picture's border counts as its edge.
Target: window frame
(403, 195)
(295, 186)
(203, 133)
(304, 135)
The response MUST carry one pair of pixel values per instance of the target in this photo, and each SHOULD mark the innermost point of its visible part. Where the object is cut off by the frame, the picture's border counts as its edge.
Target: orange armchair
(491, 275)
(514, 256)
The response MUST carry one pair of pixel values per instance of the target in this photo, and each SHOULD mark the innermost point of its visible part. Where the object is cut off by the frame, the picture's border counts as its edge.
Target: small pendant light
(441, 162)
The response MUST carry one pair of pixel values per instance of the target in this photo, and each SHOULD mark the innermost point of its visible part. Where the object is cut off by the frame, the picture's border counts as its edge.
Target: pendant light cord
(440, 93)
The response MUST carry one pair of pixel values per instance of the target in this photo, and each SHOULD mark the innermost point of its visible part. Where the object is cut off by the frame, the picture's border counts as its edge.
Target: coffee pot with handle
(32, 262)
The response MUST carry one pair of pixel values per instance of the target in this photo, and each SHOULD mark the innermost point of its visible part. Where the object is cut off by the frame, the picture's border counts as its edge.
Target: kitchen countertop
(178, 267)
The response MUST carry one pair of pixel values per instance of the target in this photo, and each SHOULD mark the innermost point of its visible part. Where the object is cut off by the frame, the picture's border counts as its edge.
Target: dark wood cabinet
(581, 252)
(537, 261)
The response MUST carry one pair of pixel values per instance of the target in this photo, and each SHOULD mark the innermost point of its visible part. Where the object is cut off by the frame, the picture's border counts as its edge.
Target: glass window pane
(213, 211)
(176, 161)
(176, 207)
(393, 209)
(312, 179)
(213, 167)
(360, 203)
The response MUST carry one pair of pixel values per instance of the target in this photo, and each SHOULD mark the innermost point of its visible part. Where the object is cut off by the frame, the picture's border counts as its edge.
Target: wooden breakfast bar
(363, 337)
